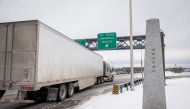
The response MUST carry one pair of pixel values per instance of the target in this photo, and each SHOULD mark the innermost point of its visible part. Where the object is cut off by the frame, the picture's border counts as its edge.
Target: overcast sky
(79, 19)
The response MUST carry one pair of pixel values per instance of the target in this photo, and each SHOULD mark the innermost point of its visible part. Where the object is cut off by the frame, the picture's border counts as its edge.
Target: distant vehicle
(186, 70)
(108, 72)
(38, 61)
(119, 71)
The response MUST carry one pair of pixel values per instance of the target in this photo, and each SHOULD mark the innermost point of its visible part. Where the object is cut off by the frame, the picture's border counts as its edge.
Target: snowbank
(177, 97)
(168, 73)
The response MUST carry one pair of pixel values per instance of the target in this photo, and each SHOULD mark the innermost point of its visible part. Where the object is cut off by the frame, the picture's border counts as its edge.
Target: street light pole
(131, 47)
(112, 63)
(141, 58)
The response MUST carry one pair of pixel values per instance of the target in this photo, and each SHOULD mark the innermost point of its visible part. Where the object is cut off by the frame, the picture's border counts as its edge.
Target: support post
(163, 53)
(21, 95)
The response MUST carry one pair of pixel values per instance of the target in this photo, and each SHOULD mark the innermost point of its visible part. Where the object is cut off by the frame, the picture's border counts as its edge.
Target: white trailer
(38, 60)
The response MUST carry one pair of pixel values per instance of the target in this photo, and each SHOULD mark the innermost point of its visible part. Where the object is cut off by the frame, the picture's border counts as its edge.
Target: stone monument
(154, 84)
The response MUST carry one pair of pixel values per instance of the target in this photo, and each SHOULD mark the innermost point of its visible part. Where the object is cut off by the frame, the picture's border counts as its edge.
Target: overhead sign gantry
(122, 42)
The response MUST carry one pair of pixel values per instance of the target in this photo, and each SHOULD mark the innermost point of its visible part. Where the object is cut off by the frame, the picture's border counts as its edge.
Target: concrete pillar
(153, 85)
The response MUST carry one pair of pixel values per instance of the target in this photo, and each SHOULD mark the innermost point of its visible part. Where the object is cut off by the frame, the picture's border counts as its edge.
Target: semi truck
(37, 60)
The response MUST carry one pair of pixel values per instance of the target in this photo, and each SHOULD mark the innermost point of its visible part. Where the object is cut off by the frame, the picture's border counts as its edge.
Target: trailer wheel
(101, 80)
(70, 90)
(98, 80)
(62, 93)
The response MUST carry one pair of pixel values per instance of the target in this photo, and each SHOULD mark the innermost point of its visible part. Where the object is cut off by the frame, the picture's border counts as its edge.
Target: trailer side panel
(62, 59)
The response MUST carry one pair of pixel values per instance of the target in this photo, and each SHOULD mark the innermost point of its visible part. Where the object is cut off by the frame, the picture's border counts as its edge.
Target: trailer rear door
(18, 52)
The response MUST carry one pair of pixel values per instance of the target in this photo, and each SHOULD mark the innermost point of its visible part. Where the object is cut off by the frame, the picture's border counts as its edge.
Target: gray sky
(86, 18)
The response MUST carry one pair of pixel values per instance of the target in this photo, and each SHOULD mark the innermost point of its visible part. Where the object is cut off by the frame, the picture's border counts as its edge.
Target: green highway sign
(106, 41)
(82, 42)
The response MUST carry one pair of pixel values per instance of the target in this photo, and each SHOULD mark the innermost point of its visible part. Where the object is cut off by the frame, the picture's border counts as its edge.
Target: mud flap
(21, 95)
(52, 94)
(2, 93)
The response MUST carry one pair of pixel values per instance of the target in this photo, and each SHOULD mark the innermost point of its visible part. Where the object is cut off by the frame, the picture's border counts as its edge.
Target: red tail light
(27, 88)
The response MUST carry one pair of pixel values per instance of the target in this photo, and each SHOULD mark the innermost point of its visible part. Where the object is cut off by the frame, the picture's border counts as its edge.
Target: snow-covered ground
(168, 73)
(177, 97)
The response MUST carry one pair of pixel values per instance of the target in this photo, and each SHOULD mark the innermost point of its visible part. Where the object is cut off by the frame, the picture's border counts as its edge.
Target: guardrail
(118, 88)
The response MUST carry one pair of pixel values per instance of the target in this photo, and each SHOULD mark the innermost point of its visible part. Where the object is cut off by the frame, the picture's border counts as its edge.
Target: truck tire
(70, 90)
(62, 93)
(101, 80)
(112, 78)
(98, 80)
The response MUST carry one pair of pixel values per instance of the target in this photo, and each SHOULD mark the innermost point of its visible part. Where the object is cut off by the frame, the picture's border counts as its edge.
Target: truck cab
(107, 70)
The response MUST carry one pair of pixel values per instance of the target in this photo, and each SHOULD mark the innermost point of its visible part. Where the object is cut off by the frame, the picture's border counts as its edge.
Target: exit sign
(106, 41)
(81, 42)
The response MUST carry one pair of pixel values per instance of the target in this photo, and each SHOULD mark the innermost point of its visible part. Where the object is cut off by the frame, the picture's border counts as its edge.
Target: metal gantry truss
(122, 43)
